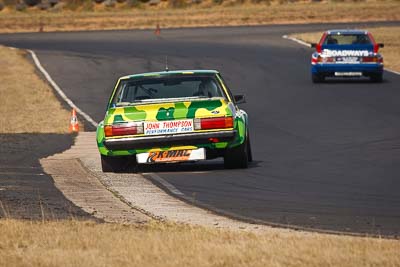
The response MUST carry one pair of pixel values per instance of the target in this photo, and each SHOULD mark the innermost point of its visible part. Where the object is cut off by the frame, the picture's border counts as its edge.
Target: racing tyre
(317, 78)
(249, 153)
(377, 78)
(237, 157)
(118, 164)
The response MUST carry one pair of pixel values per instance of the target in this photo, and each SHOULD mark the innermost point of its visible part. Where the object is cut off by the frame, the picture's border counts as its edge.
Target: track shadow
(332, 80)
(201, 166)
(26, 191)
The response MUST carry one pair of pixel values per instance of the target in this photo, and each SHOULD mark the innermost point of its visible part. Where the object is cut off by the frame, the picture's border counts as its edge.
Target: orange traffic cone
(158, 30)
(74, 125)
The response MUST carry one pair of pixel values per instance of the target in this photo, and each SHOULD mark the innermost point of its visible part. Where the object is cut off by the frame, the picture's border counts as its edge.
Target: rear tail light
(323, 59)
(328, 59)
(369, 59)
(315, 60)
(213, 123)
(375, 59)
(131, 128)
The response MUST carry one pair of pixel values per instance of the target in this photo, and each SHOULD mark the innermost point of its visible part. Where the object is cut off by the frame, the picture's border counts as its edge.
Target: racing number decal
(172, 155)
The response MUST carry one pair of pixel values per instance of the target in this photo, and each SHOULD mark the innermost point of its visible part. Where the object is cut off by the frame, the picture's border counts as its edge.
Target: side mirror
(313, 45)
(239, 99)
(381, 45)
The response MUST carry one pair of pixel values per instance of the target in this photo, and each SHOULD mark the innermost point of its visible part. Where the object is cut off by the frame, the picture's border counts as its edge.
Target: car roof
(346, 31)
(170, 73)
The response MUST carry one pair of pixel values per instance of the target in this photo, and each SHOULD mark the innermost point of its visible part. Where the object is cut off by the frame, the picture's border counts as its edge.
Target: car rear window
(347, 39)
(158, 89)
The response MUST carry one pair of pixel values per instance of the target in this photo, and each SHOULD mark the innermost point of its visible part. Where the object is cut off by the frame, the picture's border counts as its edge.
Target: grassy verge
(155, 244)
(202, 15)
(28, 104)
(390, 36)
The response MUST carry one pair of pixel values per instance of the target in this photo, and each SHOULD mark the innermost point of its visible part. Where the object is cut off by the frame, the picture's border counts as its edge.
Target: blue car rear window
(347, 39)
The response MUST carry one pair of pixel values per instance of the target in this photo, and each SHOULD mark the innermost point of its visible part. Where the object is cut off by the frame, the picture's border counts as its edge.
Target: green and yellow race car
(173, 116)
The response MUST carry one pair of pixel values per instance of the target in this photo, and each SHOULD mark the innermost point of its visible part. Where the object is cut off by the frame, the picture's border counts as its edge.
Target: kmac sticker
(172, 155)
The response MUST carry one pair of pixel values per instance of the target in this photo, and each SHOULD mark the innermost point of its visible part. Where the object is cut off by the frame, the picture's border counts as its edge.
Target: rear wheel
(249, 153)
(317, 78)
(238, 157)
(377, 78)
(118, 164)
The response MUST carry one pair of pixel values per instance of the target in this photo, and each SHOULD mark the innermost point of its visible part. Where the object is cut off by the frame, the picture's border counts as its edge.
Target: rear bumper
(148, 142)
(330, 69)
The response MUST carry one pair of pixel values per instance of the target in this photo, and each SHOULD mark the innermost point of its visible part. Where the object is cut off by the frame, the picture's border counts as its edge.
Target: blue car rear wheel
(377, 78)
(317, 78)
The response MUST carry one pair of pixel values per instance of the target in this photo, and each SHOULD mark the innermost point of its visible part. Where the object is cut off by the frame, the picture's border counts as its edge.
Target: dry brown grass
(390, 36)
(28, 104)
(203, 15)
(69, 243)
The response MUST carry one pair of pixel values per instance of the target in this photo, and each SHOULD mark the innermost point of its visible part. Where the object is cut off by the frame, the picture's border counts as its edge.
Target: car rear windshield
(133, 91)
(347, 39)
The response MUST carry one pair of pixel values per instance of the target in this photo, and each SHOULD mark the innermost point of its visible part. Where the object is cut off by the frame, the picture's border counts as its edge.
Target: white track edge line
(309, 45)
(169, 186)
(393, 71)
(296, 40)
(58, 89)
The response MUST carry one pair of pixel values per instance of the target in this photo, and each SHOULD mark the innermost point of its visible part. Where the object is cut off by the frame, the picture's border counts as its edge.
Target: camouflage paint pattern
(151, 112)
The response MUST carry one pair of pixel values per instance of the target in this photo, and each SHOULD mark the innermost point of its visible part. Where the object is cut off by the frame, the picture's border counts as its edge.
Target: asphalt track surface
(26, 192)
(327, 156)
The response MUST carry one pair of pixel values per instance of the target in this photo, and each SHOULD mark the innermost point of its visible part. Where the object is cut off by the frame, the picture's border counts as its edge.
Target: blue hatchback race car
(346, 53)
